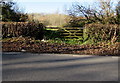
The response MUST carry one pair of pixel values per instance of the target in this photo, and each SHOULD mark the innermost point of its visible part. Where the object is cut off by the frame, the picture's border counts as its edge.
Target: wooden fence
(70, 33)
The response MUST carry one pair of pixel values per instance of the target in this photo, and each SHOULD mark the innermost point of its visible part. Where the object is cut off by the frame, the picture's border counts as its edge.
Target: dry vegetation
(103, 32)
(16, 29)
(37, 46)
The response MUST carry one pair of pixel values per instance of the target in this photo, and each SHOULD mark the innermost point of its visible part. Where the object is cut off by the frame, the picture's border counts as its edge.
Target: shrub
(102, 32)
(16, 29)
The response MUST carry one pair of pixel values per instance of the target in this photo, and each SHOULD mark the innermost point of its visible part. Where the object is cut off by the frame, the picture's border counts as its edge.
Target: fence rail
(72, 33)
(69, 33)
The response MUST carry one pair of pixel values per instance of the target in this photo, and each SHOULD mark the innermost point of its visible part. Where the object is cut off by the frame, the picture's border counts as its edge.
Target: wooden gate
(70, 33)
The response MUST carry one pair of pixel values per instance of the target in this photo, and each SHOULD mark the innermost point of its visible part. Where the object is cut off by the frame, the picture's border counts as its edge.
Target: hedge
(103, 32)
(16, 29)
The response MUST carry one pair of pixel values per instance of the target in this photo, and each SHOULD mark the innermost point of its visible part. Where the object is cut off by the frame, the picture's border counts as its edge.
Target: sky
(49, 6)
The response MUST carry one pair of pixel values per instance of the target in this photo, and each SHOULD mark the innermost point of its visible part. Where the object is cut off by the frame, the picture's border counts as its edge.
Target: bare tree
(103, 14)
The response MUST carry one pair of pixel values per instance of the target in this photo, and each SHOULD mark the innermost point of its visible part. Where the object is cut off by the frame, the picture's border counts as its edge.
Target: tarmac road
(18, 66)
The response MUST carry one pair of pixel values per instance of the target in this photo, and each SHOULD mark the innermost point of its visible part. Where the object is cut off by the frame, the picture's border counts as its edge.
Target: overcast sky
(49, 6)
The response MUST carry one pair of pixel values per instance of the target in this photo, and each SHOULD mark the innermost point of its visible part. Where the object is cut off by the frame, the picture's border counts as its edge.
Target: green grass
(52, 29)
(74, 42)
(71, 42)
